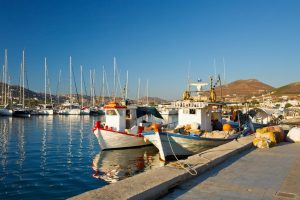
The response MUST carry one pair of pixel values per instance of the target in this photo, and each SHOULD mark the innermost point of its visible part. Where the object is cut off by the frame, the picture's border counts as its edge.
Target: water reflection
(116, 165)
(4, 133)
(47, 127)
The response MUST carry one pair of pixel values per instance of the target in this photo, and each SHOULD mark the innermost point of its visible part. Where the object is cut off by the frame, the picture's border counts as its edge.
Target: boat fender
(97, 125)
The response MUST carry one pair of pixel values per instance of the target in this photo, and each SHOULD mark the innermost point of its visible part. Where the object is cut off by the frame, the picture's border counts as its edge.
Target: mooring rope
(189, 168)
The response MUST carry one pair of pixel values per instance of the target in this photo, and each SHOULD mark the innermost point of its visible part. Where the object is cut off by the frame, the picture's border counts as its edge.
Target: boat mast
(58, 84)
(5, 79)
(103, 88)
(126, 86)
(138, 90)
(23, 79)
(2, 88)
(71, 101)
(224, 66)
(115, 88)
(94, 93)
(147, 92)
(45, 82)
(81, 85)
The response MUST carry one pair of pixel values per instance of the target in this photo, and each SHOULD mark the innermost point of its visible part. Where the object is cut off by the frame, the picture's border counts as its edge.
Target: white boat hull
(85, 111)
(170, 144)
(109, 139)
(45, 112)
(69, 112)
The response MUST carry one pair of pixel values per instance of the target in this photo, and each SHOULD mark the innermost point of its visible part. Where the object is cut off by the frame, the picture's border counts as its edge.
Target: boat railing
(189, 104)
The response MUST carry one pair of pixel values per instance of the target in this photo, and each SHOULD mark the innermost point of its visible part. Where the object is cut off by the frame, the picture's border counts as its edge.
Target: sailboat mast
(126, 89)
(103, 88)
(115, 90)
(23, 79)
(138, 91)
(81, 85)
(2, 91)
(224, 71)
(5, 78)
(45, 81)
(147, 92)
(71, 101)
(94, 93)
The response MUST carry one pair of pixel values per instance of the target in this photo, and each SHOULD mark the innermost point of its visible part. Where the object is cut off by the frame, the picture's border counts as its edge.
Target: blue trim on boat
(187, 136)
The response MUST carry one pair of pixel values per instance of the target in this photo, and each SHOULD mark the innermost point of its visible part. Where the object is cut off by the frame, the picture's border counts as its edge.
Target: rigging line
(189, 169)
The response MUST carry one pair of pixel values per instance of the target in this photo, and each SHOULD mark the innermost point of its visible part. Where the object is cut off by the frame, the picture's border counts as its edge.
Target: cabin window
(111, 112)
(192, 111)
(128, 114)
(186, 111)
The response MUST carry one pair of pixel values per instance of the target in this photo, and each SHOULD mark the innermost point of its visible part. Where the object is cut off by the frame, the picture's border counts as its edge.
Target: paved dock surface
(254, 174)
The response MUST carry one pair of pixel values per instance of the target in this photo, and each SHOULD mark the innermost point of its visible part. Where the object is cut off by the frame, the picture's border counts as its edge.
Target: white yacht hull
(45, 112)
(69, 112)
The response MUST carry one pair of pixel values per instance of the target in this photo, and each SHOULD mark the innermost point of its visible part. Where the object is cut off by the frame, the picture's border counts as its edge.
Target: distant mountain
(290, 89)
(153, 100)
(244, 88)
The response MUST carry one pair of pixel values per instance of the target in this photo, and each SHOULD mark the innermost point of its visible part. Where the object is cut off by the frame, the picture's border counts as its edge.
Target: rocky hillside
(248, 87)
(290, 89)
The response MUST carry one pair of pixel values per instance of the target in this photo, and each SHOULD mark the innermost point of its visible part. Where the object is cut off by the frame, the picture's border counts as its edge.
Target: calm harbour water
(56, 157)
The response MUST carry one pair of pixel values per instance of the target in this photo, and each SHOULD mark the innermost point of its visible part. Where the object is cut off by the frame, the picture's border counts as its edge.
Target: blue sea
(57, 157)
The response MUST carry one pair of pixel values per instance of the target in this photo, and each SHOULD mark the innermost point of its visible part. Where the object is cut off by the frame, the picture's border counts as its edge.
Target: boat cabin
(127, 118)
(205, 114)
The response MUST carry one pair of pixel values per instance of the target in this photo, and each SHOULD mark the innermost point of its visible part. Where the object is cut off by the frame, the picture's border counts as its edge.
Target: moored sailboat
(46, 110)
(21, 111)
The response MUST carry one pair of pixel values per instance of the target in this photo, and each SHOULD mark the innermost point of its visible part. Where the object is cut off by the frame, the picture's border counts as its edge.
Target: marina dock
(235, 170)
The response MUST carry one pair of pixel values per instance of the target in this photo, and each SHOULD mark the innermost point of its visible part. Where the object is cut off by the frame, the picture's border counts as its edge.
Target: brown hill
(244, 88)
(290, 89)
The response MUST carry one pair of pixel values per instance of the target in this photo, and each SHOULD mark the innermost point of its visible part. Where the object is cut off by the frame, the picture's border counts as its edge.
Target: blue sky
(155, 40)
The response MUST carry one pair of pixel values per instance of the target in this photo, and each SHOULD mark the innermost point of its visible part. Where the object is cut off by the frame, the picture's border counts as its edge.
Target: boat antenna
(188, 81)
(219, 79)
(215, 68)
(224, 67)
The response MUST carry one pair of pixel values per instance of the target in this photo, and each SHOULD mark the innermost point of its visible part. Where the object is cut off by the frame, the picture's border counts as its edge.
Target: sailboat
(4, 108)
(70, 108)
(46, 110)
(21, 111)
(84, 110)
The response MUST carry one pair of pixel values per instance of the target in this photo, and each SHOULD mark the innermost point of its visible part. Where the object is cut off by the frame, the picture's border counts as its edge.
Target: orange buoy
(226, 127)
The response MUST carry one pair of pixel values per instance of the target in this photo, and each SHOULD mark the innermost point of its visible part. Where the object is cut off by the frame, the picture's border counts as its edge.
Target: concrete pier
(155, 183)
(235, 170)
(254, 174)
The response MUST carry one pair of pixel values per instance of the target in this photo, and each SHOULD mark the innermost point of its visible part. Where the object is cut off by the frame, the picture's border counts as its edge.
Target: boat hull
(69, 112)
(6, 112)
(45, 112)
(170, 144)
(109, 139)
(21, 113)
